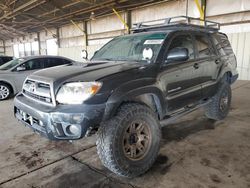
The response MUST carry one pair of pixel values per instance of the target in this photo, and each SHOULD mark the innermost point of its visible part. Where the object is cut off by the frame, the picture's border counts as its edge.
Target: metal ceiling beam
(96, 7)
(25, 6)
(81, 11)
(88, 10)
(30, 20)
(36, 23)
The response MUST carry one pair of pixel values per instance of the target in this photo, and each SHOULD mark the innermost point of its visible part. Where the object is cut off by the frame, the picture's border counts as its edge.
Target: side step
(178, 114)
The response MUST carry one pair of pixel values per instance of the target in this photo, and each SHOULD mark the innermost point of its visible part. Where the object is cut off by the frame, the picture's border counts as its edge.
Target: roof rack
(177, 21)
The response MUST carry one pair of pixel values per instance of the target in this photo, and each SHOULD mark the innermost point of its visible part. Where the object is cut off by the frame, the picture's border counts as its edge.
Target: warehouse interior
(195, 152)
(66, 27)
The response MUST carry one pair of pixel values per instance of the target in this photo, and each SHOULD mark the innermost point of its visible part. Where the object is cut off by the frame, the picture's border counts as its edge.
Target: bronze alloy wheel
(128, 144)
(137, 140)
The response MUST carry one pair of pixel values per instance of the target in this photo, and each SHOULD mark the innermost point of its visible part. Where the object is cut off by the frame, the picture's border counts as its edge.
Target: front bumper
(63, 122)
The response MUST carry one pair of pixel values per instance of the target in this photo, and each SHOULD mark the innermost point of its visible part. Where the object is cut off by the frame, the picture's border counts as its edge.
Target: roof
(17, 18)
(44, 56)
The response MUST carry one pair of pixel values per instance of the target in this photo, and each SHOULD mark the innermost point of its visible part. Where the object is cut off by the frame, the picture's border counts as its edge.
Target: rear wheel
(5, 91)
(219, 108)
(129, 143)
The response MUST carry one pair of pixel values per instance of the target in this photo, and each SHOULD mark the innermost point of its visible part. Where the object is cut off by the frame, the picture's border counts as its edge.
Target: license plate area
(30, 120)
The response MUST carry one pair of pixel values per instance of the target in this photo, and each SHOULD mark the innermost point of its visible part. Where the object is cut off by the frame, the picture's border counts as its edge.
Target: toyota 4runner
(131, 87)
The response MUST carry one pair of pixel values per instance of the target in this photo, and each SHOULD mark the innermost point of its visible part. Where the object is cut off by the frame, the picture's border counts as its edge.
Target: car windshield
(11, 64)
(139, 47)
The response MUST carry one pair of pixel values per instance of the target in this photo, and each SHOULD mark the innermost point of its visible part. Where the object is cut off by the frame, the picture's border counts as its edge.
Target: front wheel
(219, 108)
(129, 143)
(5, 91)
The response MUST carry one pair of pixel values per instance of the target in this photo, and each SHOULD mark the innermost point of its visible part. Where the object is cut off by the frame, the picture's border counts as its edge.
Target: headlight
(77, 92)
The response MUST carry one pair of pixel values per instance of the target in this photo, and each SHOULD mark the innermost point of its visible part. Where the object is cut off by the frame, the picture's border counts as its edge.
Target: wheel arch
(13, 90)
(227, 76)
(148, 96)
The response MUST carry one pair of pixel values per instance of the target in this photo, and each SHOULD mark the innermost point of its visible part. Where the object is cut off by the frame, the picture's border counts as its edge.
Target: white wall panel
(240, 28)
(226, 6)
(9, 51)
(241, 46)
(69, 31)
(104, 24)
(9, 48)
(159, 11)
(72, 42)
(72, 53)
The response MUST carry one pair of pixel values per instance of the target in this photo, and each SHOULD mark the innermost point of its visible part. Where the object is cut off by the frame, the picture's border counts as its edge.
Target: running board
(181, 113)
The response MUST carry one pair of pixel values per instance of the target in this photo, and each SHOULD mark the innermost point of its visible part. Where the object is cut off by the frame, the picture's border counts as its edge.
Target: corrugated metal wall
(241, 45)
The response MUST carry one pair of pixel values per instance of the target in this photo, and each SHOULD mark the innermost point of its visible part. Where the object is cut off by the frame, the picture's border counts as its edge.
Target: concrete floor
(195, 152)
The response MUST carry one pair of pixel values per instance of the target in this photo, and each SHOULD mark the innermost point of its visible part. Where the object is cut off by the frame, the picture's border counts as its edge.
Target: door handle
(196, 66)
(217, 61)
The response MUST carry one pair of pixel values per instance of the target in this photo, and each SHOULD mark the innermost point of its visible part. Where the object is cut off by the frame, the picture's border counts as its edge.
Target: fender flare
(119, 97)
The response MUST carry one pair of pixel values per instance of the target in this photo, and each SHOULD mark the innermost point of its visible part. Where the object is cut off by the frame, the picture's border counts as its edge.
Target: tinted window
(218, 46)
(204, 48)
(51, 62)
(6, 59)
(33, 64)
(184, 41)
(67, 61)
(224, 43)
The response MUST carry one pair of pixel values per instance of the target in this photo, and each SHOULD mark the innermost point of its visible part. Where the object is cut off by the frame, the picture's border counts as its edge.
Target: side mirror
(84, 54)
(20, 68)
(177, 54)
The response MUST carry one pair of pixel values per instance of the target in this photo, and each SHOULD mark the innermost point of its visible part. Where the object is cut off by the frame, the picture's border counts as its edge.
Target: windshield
(11, 64)
(141, 47)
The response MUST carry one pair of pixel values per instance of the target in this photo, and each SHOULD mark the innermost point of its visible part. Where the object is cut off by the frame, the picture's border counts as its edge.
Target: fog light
(74, 129)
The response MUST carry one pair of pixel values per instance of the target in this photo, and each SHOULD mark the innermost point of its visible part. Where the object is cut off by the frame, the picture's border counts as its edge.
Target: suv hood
(86, 72)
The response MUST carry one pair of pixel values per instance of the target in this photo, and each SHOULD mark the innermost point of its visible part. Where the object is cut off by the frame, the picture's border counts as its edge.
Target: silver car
(13, 73)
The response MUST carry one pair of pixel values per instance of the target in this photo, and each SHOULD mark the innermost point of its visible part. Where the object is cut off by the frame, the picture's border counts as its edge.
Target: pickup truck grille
(38, 91)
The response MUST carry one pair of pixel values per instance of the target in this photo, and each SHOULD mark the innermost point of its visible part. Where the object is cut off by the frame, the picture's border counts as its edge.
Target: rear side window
(33, 64)
(222, 44)
(6, 59)
(204, 47)
(218, 46)
(52, 62)
(66, 61)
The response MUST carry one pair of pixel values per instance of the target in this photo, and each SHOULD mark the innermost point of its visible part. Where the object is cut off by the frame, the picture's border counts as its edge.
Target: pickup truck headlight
(77, 92)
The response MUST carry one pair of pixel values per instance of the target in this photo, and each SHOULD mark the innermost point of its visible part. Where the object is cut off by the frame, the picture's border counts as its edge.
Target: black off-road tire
(213, 109)
(6, 88)
(110, 140)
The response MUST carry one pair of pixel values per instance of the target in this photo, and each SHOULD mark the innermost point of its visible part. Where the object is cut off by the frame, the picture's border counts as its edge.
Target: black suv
(131, 87)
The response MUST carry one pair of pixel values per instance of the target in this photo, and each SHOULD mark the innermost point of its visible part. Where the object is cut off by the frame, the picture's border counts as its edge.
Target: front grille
(41, 98)
(38, 91)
